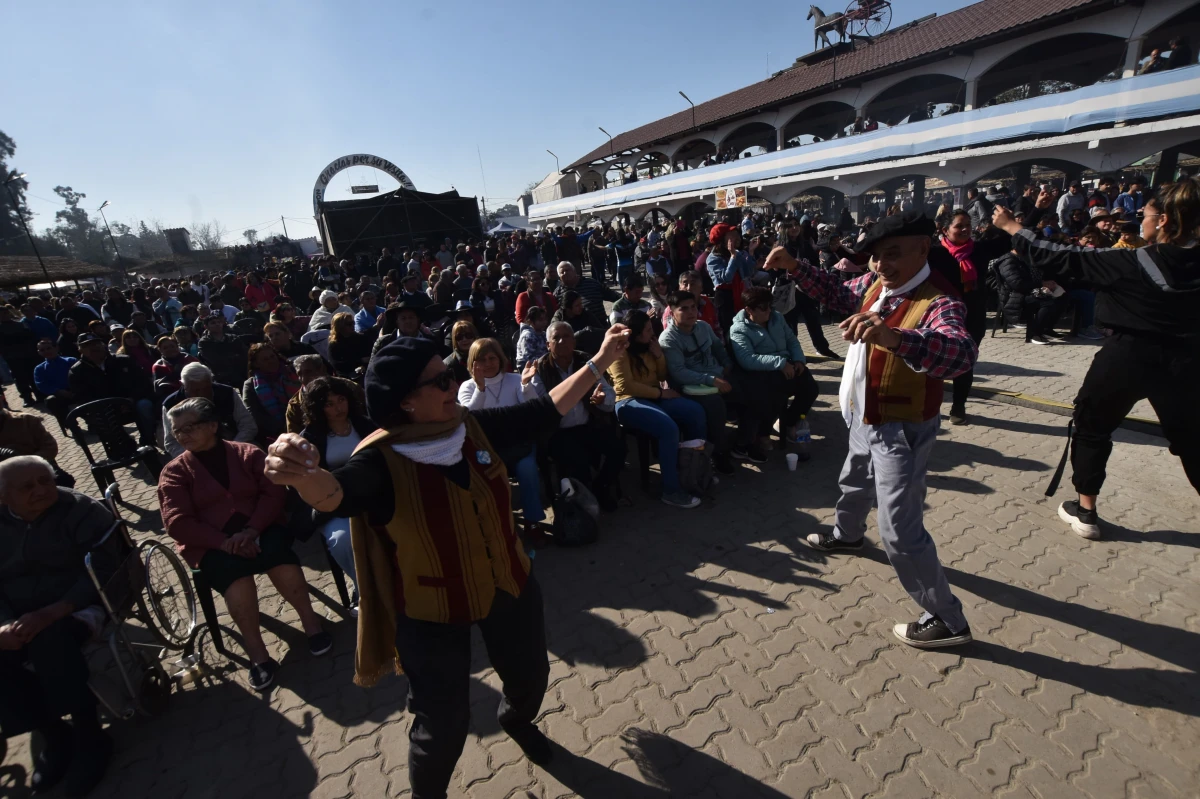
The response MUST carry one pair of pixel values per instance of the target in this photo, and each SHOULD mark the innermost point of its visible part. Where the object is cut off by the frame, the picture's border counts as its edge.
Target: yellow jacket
(643, 385)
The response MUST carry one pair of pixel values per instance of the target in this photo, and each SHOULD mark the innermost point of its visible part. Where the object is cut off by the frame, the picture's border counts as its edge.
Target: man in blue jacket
(770, 369)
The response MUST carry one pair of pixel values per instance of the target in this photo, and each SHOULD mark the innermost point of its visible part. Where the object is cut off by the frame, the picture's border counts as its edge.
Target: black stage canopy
(398, 219)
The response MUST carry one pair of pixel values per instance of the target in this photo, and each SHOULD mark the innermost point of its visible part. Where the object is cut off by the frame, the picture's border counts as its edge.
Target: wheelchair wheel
(170, 597)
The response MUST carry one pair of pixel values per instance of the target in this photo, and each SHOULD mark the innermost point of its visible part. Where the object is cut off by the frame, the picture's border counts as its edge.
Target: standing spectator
(167, 370)
(261, 292)
(1070, 202)
(40, 326)
(50, 377)
(18, 347)
(729, 266)
(69, 308)
(593, 292)
(1131, 201)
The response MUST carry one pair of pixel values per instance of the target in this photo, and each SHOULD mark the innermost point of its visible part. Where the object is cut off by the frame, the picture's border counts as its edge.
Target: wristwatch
(595, 369)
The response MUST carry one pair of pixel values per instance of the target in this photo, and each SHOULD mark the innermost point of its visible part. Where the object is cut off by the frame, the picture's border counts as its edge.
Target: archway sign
(348, 161)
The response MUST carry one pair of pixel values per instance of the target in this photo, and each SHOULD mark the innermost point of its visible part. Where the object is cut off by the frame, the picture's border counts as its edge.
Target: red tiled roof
(978, 21)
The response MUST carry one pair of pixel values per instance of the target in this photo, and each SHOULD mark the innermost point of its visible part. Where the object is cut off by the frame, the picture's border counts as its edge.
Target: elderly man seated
(587, 437)
(593, 292)
(48, 609)
(234, 418)
(699, 368)
(227, 519)
(770, 370)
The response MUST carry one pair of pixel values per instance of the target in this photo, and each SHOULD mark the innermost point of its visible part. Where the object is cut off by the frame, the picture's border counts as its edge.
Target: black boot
(93, 751)
(51, 764)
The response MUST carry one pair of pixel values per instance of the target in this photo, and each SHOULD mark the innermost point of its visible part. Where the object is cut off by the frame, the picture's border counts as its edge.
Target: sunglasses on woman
(442, 381)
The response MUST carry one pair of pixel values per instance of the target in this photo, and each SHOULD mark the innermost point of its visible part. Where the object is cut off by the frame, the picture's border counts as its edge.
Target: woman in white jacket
(493, 386)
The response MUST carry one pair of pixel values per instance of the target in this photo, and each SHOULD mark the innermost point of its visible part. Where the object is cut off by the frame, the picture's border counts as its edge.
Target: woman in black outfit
(1148, 297)
(798, 243)
(68, 339)
(973, 256)
(428, 495)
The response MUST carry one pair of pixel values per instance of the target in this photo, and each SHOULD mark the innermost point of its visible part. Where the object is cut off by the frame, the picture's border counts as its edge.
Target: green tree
(76, 231)
(12, 236)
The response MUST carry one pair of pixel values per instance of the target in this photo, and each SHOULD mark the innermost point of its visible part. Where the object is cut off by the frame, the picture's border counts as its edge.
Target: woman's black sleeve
(518, 424)
(366, 487)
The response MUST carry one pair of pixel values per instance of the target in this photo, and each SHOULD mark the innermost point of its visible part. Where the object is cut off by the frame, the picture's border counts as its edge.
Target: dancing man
(908, 334)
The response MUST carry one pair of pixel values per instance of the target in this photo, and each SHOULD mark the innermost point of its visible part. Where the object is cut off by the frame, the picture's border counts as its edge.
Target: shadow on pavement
(950, 453)
(1115, 532)
(963, 485)
(671, 768)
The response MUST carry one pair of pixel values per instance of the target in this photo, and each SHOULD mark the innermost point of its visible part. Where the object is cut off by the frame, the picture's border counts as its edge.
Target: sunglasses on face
(442, 382)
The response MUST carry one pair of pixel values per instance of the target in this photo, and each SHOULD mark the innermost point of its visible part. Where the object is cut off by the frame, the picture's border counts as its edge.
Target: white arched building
(988, 91)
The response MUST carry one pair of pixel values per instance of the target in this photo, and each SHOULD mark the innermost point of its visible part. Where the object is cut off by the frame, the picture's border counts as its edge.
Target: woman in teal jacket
(769, 366)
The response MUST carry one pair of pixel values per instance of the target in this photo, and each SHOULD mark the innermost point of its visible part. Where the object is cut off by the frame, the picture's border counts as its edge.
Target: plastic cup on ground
(792, 460)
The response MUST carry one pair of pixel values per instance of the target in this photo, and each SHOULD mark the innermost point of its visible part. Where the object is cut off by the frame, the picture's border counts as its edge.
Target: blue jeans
(1085, 307)
(336, 533)
(529, 484)
(146, 419)
(669, 421)
(623, 272)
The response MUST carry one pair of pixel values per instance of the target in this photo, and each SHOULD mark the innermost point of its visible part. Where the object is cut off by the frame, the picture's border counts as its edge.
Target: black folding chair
(105, 419)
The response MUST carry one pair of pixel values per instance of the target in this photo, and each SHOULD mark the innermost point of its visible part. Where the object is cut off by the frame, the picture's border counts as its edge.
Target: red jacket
(195, 507)
(264, 292)
(525, 301)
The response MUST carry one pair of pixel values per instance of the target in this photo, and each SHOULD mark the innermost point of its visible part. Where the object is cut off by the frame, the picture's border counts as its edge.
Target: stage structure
(398, 219)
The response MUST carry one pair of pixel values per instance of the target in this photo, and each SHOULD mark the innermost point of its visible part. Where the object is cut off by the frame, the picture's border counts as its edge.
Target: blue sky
(229, 110)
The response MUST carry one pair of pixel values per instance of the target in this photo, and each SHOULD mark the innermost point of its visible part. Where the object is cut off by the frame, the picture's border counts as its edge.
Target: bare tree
(209, 235)
(250, 235)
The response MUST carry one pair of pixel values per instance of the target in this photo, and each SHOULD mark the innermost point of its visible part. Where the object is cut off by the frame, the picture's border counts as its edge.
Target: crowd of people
(384, 404)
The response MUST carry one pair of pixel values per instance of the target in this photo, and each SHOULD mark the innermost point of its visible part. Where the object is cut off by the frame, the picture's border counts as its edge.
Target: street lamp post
(33, 244)
(693, 105)
(113, 240)
(557, 168)
(610, 141)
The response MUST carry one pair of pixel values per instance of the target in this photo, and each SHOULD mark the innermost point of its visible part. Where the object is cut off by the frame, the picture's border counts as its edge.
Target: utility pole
(12, 197)
(114, 243)
(285, 235)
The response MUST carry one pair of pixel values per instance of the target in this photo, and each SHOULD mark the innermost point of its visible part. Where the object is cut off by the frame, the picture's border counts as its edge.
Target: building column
(1168, 164)
(1133, 54)
(972, 95)
(1021, 176)
(856, 207)
(779, 140)
(918, 193)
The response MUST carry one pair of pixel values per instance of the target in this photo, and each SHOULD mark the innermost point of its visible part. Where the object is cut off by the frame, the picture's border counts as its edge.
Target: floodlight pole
(33, 244)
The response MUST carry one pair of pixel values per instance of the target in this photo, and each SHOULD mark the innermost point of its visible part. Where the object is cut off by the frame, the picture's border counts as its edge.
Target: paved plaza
(711, 653)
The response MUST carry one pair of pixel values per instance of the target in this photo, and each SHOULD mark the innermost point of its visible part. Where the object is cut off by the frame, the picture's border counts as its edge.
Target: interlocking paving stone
(712, 653)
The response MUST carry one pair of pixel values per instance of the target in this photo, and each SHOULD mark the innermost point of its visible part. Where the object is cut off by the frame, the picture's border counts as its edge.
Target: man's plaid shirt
(939, 347)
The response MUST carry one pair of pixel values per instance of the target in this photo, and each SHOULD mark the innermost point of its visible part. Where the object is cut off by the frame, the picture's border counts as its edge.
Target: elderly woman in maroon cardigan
(227, 519)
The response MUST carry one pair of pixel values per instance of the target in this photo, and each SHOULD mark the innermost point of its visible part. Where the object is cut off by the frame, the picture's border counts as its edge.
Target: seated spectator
(462, 336)
(224, 352)
(145, 326)
(40, 325)
(587, 438)
(329, 306)
(1130, 238)
(335, 422)
(594, 292)
(24, 434)
(493, 386)
(367, 319)
(575, 314)
(50, 608)
(68, 338)
(285, 313)
(166, 370)
(692, 282)
(186, 337)
(697, 363)
(348, 350)
(631, 300)
(643, 404)
(505, 315)
(234, 418)
(134, 346)
(279, 336)
(167, 308)
(98, 375)
(268, 390)
(246, 310)
(51, 379)
(226, 518)
(80, 314)
(770, 368)
(660, 290)
(531, 343)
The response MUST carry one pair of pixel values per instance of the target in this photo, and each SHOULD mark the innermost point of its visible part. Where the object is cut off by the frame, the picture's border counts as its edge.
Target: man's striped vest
(896, 393)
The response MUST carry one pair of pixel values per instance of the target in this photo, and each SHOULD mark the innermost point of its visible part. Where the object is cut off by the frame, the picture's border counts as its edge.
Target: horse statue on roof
(824, 23)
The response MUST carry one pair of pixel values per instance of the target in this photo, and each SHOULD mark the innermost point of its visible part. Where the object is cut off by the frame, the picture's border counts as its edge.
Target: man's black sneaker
(1084, 522)
(262, 675)
(932, 633)
(753, 454)
(51, 763)
(723, 464)
(320, 643)
(828, 543)
(533, 743)
(93, 751)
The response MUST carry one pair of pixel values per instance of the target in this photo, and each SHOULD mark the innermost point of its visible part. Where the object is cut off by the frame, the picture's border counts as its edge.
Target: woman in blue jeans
(643, 404)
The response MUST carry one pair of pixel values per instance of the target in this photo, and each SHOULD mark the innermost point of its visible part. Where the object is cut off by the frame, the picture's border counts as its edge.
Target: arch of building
(651, 164)
(914, 98)
(691, 152)
(747, 135)
(1057, 64)
(823, 120)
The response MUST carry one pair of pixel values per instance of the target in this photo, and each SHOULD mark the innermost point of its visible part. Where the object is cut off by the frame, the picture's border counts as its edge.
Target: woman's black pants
(436, 659)
(1127, 369)
(57, 686)
(976, 302)
(808, 309)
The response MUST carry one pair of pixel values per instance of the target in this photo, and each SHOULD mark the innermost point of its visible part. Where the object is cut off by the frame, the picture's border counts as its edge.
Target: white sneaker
(681, 500)
(1091, 333)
